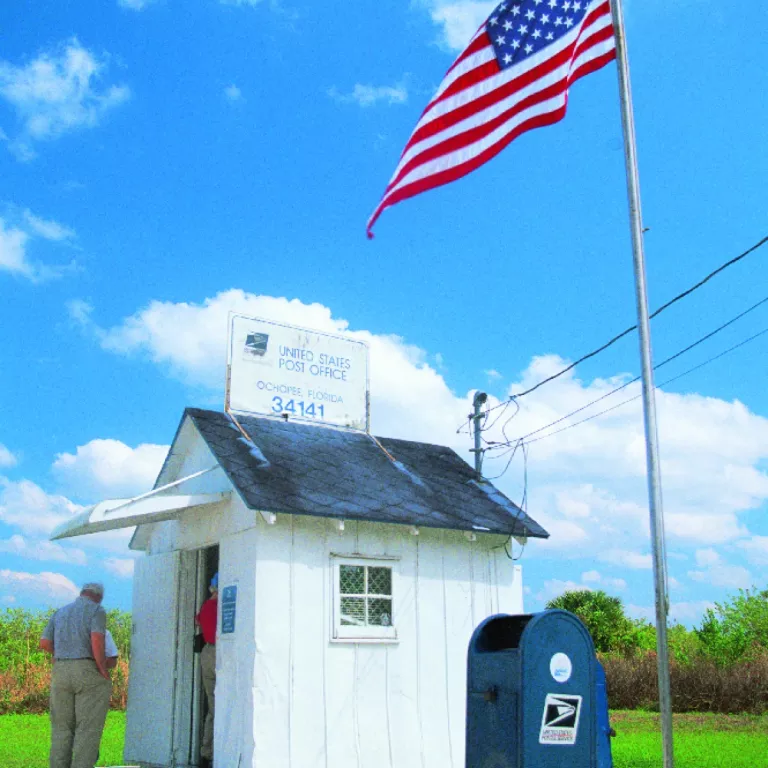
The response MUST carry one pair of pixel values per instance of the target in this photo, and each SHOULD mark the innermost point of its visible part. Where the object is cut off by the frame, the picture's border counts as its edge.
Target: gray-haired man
(80, 685)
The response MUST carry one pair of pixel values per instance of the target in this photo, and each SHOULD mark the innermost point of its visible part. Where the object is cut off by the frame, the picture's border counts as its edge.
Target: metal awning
(126, 513)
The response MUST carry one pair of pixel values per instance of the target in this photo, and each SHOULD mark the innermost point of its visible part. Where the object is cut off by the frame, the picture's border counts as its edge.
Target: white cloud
(13, 250)
(646, 612)
(47, 228)
(58, 92)
(594, 577)
(626, 558)
(590, 576)
(756, 549)
(80, 311)
(15, 239)
(719, 573)
(492, 374)
(29, 508)
(706, 557)
(369, 95)
(109, 468)
(122, 567)
(135, 5)
(587, 486)
(232, 93)
(689, 612)
(42, 550)
(458, 19)
(555, 587)
(46, 587)
(7, 459)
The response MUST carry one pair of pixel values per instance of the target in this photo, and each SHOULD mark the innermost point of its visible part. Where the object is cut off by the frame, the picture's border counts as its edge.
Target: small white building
(352, 571)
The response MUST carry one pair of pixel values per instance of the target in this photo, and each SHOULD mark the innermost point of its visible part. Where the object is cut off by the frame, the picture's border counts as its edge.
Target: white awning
(125, 513)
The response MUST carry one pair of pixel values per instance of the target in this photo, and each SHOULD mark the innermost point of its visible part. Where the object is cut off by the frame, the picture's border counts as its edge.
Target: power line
(637, 378)
(621, 335)
(664, 383)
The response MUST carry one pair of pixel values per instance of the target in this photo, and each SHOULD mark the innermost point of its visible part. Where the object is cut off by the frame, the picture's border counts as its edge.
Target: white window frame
(352, 634)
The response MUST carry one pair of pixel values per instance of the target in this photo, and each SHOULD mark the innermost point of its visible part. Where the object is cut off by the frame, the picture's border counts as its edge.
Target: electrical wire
(632, 381)
(663, 384)
(626, 332)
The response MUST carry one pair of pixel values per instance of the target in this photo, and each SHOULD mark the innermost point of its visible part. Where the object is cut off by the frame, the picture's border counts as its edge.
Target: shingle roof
(309, 470)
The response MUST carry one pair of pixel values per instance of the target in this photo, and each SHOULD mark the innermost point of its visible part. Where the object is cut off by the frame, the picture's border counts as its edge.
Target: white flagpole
(649, 401)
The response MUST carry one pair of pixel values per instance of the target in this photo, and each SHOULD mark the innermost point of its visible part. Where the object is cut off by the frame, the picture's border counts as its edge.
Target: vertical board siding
(433, 662)
(234, 740)
(325, 704)
(271, 679)
(307, 627)
(371, 662)
(342, 749)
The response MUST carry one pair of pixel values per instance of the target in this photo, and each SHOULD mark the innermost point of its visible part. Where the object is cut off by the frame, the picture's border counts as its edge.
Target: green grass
(25, 740)
(701, 741)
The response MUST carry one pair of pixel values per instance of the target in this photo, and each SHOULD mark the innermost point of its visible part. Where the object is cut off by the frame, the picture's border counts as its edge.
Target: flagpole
(649, 400)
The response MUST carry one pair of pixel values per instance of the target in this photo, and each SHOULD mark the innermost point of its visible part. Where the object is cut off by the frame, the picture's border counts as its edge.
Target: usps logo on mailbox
(560, 719)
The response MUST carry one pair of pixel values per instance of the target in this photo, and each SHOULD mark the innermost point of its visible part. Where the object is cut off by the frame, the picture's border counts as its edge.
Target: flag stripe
(447, 175)
(459, 154)
(484, 103)
(466, 119)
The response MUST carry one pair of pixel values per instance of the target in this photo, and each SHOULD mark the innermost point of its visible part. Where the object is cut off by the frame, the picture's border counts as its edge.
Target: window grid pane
(352, 579)
(365, 596)
(379, 581)
(379, 612)
(353, 611)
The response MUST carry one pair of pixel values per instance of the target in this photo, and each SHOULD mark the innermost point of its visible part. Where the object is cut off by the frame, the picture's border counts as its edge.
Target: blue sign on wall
(228, 609)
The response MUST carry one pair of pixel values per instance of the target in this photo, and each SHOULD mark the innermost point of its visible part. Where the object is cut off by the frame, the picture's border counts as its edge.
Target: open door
(154, 651)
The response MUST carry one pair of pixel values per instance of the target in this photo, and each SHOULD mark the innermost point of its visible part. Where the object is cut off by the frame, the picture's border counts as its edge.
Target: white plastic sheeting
(126, 513)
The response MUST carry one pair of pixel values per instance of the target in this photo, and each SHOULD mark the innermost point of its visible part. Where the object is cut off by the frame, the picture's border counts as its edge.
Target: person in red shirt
(206, 620)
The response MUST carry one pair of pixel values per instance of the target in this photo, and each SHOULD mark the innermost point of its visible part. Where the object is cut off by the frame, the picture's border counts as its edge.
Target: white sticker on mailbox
(560, 719)
(560, 668)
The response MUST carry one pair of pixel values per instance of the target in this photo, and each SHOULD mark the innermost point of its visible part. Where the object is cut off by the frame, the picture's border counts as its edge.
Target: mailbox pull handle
(492, 694)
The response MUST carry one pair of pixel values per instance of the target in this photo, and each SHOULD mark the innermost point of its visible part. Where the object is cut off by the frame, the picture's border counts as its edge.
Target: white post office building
(352, 571)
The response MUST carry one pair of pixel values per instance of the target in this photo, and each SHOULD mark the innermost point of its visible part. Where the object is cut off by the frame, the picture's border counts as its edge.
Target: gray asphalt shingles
(333, 473)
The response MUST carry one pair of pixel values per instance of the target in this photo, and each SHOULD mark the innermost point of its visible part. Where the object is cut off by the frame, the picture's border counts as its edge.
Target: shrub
(603, 615)
(736, 629)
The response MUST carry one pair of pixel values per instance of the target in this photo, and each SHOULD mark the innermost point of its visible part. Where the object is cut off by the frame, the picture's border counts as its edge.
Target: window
(364, 599)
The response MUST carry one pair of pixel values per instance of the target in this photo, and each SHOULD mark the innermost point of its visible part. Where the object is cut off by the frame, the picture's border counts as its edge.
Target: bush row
(25, 671)
(700, 685)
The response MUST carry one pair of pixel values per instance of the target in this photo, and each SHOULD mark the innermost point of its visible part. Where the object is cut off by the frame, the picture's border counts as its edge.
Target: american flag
(513, 76)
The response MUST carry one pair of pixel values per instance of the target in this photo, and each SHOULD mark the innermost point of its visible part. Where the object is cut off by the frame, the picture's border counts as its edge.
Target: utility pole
(477, 403)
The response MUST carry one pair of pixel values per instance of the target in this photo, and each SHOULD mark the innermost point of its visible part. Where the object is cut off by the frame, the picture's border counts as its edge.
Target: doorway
(207, 567)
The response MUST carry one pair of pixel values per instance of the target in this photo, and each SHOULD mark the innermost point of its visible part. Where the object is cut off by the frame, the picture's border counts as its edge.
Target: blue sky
(162, 163)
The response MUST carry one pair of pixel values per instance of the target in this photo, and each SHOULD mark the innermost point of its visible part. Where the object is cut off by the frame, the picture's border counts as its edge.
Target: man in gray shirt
(80, 684)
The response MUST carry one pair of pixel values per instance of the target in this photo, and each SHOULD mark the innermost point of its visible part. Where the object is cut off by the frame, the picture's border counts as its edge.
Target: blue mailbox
(532, 698)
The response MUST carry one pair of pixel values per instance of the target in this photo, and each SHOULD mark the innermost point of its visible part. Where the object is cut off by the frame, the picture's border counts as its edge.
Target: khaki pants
(79, 704)
(208, 669)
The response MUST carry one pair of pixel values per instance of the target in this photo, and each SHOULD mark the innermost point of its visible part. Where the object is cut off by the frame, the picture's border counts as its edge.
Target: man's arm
(46, 645)
(46, 641)
(97, 646)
